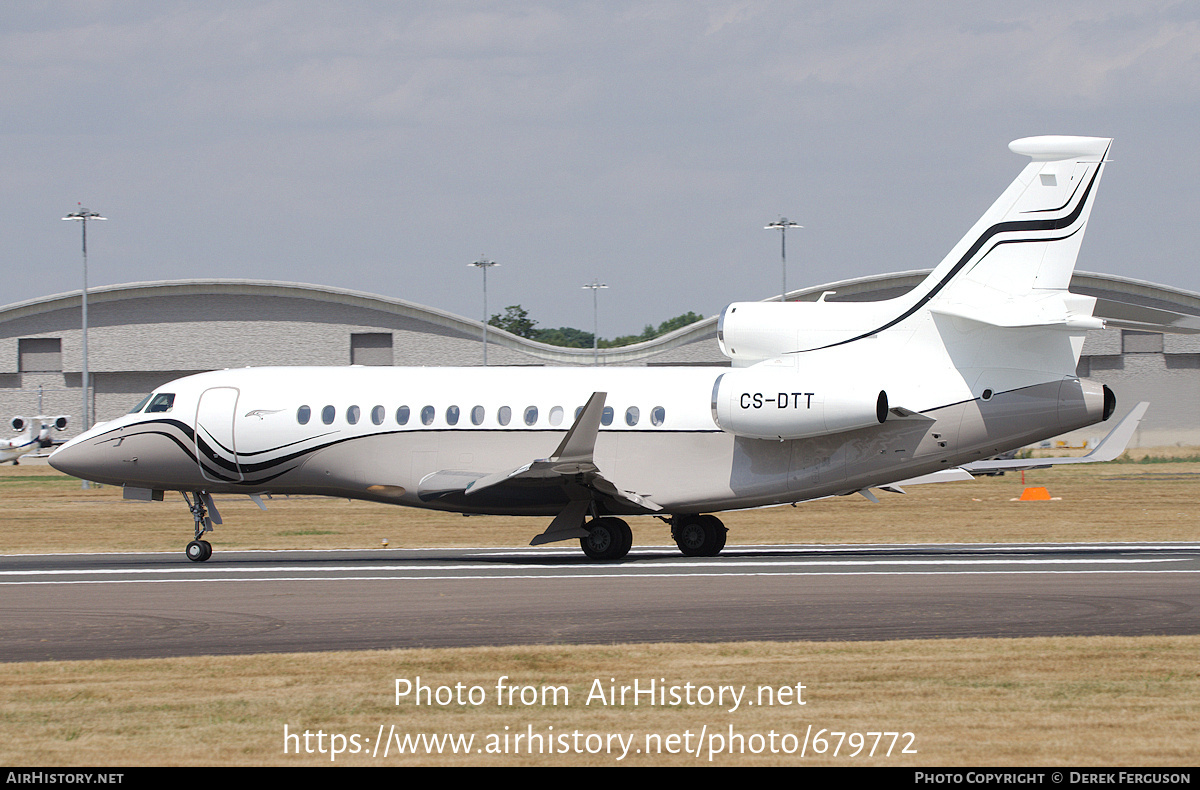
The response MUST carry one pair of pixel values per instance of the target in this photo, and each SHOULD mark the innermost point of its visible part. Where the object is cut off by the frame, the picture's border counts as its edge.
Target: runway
(62, 607)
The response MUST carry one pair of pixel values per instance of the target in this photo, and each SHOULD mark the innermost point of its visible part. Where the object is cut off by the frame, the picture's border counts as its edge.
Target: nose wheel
(199, 550)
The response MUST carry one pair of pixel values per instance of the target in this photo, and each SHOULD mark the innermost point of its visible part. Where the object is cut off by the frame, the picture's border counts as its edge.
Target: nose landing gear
(204, 514)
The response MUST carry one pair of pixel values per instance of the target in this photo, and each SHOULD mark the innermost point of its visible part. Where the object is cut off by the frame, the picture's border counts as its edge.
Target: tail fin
(1027, 242)
(1011, 269)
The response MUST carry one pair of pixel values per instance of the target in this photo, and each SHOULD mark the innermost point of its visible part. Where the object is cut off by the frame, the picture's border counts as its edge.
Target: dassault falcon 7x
(823, 398)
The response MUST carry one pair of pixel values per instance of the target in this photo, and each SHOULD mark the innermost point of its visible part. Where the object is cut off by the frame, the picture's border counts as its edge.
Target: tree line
(515, 319)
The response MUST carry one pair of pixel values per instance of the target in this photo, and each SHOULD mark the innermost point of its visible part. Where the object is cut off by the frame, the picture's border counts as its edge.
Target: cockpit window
(163, 401)
(141, 404)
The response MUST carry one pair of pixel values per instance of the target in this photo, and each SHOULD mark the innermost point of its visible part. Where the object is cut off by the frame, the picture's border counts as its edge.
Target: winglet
(1111, 447)
(580, 442)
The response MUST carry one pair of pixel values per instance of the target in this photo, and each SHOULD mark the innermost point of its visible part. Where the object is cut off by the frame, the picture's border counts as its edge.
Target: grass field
(45, 511)
(1053, 702)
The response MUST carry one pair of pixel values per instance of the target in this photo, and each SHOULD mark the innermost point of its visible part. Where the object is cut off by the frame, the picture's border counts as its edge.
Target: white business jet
(824, 398)
(26, 442)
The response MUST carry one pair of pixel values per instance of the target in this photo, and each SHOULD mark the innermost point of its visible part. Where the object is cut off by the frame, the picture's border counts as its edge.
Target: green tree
(565, 336)
(649, 333)
(515, 320)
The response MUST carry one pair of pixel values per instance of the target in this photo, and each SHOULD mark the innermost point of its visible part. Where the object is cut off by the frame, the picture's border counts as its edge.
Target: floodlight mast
(783, 223)
(594, 286)
(82, 216)
(484, 264)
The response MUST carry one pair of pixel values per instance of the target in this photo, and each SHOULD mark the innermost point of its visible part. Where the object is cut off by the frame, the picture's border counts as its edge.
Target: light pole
(82, 216)
(783, 224)
(485, 264)
(595, 285)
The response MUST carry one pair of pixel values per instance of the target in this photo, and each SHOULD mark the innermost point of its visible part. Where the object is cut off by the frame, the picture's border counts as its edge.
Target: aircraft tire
(699, 536)
(608, 539)
(199, 550)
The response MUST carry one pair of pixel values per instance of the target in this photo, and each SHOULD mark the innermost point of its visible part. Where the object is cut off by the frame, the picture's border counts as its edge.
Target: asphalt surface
(60, 607)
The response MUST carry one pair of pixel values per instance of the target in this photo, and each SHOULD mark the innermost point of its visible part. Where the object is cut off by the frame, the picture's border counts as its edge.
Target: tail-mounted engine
(783, 404)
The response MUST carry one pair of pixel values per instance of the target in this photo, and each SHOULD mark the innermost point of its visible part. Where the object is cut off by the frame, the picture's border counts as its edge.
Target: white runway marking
(733, 565)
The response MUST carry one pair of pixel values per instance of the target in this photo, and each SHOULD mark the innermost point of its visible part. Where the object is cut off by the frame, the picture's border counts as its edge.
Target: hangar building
(142, 335)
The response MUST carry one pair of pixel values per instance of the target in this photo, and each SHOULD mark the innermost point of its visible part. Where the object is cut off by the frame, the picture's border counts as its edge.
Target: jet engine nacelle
(18, 423)
(785, 404)
(60, 422)
(749, 332)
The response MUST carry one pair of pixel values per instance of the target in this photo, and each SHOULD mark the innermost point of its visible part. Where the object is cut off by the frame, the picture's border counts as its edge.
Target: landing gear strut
(607, 539)
(199, 503)
(699, 536)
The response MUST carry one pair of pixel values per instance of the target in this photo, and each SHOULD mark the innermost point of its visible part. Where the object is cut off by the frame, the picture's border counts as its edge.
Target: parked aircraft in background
(823, 398)
(12, 449)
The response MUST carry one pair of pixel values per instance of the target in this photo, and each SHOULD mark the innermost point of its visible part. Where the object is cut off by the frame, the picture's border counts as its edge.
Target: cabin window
(452, 415)
(141, 404)
(427, 413)
(327, 415)
(303, 415)
(477, 414)
(606, 416)
(504, 415)
(402, 415)
(556, 416)
(531, 415)
(377, 415)
(658, 415)
(631, 416)
(352, 415)
(163, 401)
(578, 411)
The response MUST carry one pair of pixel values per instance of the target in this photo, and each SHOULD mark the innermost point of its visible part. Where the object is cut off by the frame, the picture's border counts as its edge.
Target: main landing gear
(698, 536)
(607, 539)
(199, 503)
(610, 538)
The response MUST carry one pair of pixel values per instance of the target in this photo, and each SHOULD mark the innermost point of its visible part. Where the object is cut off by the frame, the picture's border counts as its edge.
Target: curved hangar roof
(210, 323)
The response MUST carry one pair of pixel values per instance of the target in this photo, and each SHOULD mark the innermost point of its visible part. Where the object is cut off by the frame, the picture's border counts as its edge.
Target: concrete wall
(143, 335)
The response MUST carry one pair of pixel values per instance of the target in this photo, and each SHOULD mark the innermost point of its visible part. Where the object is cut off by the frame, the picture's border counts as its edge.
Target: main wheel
(699, 536)
(607, 539)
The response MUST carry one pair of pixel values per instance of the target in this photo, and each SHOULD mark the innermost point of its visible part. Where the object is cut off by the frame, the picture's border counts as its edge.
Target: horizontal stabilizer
(1122, 315)
(1019, 314)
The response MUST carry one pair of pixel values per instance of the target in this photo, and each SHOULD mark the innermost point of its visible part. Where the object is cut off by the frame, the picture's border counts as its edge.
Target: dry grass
(45, 511)
(1064, 701)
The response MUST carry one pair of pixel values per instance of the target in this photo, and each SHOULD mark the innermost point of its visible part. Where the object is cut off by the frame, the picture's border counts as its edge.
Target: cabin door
(216, 450)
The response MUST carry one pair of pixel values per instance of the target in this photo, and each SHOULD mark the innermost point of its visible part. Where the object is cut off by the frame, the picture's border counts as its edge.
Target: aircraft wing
(568, 479)
(1109, 449)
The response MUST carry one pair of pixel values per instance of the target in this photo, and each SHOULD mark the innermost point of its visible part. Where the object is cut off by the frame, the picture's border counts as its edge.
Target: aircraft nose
(80, 459)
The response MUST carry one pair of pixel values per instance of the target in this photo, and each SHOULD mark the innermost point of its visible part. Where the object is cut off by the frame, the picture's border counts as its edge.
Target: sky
(384, 146)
